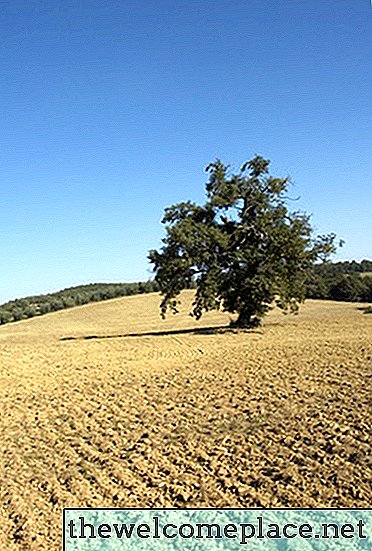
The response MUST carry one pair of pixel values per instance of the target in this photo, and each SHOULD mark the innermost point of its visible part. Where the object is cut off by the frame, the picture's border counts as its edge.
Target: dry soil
(107, 405)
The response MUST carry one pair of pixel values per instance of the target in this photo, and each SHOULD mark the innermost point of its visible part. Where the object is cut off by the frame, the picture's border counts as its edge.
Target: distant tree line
(29, 307)
(344, 281)
(348, 267)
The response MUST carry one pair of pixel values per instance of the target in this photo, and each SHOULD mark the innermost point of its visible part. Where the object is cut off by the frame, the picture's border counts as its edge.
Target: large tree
(243, 249)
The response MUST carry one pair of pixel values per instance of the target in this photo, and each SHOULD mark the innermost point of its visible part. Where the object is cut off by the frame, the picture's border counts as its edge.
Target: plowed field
(107, 405)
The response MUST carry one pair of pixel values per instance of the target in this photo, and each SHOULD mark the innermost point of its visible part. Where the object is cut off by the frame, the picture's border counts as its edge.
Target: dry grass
(276, 417)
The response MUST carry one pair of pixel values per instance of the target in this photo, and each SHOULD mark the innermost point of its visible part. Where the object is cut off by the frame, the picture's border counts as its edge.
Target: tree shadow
(365, 309)
(222, 329)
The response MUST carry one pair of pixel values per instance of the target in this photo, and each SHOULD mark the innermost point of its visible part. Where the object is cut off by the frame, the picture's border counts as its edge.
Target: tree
(242, 249)
(348, 287)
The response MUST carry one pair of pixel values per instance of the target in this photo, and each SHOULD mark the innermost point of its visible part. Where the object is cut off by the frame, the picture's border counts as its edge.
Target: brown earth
(146, 413)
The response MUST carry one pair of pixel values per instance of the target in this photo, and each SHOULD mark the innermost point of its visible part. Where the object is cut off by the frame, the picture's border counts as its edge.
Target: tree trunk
(247, 319)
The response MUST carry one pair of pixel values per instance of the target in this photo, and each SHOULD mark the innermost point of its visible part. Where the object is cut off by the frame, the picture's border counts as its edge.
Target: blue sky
(111, 110)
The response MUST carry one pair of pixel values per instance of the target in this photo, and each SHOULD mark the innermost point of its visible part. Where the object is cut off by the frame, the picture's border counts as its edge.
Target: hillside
(332, 281)
(107, 405)
(31, 306)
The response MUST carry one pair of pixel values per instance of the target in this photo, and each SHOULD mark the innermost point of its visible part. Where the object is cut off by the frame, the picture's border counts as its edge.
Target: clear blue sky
(112, 109)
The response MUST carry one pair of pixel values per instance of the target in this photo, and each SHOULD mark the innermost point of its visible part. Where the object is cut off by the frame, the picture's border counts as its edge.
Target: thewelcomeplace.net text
(242, 532)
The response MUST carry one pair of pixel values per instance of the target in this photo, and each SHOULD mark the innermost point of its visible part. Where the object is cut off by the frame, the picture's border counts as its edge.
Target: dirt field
(147, 413)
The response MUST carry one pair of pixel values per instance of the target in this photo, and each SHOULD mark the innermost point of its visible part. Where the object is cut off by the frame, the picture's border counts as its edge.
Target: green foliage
(345, 281)
(349, 267)
(29, 307)
(242, 249)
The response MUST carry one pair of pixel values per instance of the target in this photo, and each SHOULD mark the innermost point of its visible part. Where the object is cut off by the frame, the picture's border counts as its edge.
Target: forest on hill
(28, 307)
(345, 281)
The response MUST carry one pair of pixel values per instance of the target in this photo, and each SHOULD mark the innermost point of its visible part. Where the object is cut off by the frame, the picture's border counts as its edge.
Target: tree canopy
(242, 250)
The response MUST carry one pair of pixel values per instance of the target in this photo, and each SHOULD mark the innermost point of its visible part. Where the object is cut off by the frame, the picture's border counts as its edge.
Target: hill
(106, 405)
(334, 281)
(29, 307)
